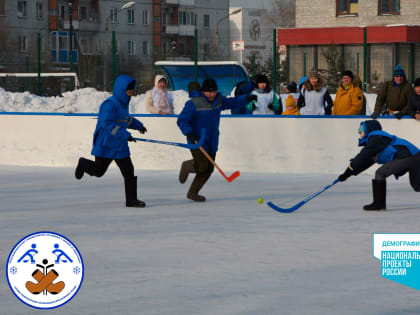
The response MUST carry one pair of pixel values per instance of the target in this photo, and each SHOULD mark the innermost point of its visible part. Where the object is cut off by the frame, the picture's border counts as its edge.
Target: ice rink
(229, 255)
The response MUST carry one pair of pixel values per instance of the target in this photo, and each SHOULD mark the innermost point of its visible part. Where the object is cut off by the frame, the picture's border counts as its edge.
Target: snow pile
(88, 100)
(85, 100)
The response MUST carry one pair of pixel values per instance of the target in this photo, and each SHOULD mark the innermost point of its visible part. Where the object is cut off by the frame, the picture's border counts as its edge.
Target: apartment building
(391, 31)
(110, 37)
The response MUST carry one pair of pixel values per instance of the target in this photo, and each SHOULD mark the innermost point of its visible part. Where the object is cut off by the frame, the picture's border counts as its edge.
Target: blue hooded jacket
(110, 137)
(200, 113)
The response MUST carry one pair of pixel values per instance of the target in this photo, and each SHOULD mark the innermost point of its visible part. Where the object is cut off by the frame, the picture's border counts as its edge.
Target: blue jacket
(200, 113)
(388, 153)
(110, 137)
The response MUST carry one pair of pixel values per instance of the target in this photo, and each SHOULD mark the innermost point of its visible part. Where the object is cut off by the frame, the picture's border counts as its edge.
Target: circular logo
(45, 270)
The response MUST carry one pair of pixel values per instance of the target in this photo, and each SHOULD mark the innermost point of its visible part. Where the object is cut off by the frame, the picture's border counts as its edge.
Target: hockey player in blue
(203, 110)
(110, 140)
(397, 155)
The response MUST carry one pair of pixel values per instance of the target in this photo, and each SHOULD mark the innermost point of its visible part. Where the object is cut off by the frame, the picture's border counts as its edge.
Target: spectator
(291, 89)
(242, 88)
(267, 102)
(314, 98)
(301, 81)
(291, 107)
(395, 95)
(158, 100)
(349, 97)
(204, 112)
(414, 105)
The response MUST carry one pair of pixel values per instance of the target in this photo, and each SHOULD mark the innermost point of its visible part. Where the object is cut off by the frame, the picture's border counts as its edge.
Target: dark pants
(99, 167)
(201, 162)
(410, 164)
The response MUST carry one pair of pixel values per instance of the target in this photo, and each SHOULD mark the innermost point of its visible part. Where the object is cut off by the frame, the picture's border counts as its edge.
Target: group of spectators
(311, 97)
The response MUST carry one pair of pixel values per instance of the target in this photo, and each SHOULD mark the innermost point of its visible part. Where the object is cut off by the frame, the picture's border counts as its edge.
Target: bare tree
(283, 13)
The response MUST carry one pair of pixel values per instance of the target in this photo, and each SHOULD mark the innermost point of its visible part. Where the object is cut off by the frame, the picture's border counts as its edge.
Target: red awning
(348, 35)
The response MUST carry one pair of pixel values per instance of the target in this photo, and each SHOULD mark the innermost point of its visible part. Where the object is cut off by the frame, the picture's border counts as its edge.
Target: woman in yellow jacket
(349, 97)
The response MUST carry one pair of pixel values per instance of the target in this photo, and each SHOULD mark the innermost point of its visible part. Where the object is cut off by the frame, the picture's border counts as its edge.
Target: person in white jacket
(267, 103)
(158, 100)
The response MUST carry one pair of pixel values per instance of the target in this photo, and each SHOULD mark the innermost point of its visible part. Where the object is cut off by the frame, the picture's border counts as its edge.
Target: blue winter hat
(398, 71)
(301, 81)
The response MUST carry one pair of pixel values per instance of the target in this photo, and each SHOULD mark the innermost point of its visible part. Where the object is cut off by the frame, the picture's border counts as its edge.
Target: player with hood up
(110, 140)
(397, 155)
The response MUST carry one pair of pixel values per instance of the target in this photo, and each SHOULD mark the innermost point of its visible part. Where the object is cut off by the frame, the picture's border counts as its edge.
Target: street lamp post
(126, 6)
(217, 30)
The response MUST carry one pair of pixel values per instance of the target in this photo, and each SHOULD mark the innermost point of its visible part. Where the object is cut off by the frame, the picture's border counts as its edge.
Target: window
(62, 12)
(21, 9)
(145, 17)
(84, 45)
(206, 20)
(145, 48)
(389, 7)
(114, 15)
(131, 48)
(117, 47)
(23, 43)
(39, 10)
(2, 7)
(99, 46)
(83, 13)
(347, 7)
(130, 13)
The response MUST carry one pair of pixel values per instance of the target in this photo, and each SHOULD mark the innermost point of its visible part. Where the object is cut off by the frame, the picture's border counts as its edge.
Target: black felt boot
(84, 165)
(379, 196)
(198, 182)
(187, 167)
(131, 193)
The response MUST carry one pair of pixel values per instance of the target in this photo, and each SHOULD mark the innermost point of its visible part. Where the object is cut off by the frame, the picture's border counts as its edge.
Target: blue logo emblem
(45, 270)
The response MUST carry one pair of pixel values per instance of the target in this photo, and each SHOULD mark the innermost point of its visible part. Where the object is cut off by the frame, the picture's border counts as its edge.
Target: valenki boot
(198, 182)
(187, 167)
(131, 200)
(379, 196)
(84, 165)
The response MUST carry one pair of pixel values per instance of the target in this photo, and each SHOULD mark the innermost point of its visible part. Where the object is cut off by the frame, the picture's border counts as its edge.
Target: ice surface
(229, 255)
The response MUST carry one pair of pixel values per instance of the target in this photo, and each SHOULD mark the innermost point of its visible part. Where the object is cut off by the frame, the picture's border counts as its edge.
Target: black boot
(84, 165)
(186, 168)
(131, 193)
(379, 196)
(199, 180)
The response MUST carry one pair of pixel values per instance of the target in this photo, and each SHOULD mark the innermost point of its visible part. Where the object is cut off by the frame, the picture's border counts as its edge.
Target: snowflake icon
(13, 270)
(76, 270)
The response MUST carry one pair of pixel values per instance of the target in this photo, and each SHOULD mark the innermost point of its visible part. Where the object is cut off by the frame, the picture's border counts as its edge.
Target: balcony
(181, 30)
(183, 3)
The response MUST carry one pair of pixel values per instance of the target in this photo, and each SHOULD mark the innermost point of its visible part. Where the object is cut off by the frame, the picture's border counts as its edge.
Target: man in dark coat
(395, 95)
(414, 105)
(397, 155)
(203, 111)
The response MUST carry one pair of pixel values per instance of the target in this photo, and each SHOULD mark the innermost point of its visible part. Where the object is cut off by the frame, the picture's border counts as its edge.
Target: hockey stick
(301, 203)
(178, 144)
(231, 177)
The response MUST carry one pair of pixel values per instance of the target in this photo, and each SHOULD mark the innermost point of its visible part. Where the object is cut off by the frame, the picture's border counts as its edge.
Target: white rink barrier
(249, 144)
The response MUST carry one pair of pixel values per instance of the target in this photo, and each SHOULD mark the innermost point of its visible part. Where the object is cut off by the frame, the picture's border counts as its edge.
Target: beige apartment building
(392, 36)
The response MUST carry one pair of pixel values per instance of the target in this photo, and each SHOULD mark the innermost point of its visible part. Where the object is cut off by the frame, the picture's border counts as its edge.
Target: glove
(192, 138)
(143, 130)
(347, 173)
(251, 97)
(374, 115)
(270, 106)
(130, 138)
(399, 115)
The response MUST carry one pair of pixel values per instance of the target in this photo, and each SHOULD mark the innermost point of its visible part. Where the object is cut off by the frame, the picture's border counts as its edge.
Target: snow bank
(88, 100)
